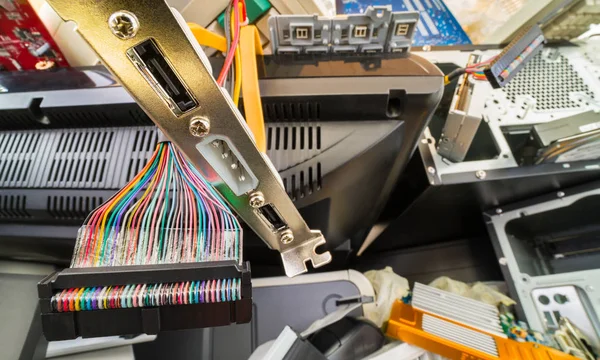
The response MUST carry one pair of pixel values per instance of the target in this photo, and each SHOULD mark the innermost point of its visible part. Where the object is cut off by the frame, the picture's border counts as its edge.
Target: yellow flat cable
(237, 85)
(250, 46)
(208, 38)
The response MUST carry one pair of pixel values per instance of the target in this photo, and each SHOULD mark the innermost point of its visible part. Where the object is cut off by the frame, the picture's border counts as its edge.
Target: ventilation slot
(17, 119)
(74, 170)
(13, 207)
(304, 182)
(72, 207)
(135, 166)
(294, 138)
(145, 140)
(549, 83)
(289, 112)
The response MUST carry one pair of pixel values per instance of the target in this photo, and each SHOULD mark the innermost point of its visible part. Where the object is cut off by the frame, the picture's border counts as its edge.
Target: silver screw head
(480, 174)
(498, 211)
(286, 237)
(560, 194)
(124, 24)
(199, 126)
(257, 199)
(430, 169)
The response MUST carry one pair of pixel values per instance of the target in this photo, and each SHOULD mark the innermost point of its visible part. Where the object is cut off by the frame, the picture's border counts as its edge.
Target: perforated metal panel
(549, 82)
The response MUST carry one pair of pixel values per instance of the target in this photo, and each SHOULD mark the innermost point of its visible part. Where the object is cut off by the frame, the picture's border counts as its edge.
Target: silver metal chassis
(499, 112)
(528, 287)
(166, 27)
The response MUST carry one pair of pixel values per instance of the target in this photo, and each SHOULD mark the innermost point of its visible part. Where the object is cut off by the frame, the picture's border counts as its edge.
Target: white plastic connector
(402, 29)
(302, 33)
(361, 31)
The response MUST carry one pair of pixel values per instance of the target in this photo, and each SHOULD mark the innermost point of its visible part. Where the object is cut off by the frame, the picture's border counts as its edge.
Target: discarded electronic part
(552, 271)
(456, 327)
(460, 127)
(377, 30)
(171, 80)
(573, 138)
(514, 56)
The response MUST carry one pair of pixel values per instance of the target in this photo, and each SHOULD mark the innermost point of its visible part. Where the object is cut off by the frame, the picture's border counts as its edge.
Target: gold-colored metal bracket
(153, 54)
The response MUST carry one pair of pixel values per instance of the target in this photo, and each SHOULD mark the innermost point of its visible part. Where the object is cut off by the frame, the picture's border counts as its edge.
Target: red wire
(481, 63)
(245, 12)
(236, 40)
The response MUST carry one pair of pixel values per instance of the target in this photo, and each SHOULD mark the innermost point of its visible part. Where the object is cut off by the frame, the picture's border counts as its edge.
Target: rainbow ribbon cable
(163, 254)
(167, 214)
(528, 50)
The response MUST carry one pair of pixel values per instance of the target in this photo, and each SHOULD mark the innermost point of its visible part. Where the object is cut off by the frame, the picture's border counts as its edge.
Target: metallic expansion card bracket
(152, 53)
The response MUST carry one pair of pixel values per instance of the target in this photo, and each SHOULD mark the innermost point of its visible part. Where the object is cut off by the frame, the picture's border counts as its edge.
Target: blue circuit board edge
(437, 25)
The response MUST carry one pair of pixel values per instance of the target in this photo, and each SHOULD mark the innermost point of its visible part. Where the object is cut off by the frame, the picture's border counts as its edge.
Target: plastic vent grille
(291, 145)
(16, 156)
(17, 119)
(549, 83)
(144, 142)
(71, 163)
(13, 207)
(294, 138)
(72, 207)
(125, 115)
(304, 182)
(288, 112)
(103, 158)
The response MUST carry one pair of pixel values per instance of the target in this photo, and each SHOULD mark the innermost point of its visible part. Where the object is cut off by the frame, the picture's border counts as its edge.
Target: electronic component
(164, 241)
(460, 127)
(514, 56)
(457, 327)
(313, 135)
(215, 137)
(572, 341)
(437, 24)
(25, 43)
(547, 133)
(548, 248)
(377, 30)
(573, 138)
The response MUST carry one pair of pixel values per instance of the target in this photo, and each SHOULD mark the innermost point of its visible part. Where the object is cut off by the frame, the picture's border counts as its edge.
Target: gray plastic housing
(300, 33)
(377, 30)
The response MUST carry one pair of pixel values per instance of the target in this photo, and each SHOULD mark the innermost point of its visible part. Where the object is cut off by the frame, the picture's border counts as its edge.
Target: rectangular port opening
(272, 217)
(402, 29)
(157, 70)
(302, 33)
(228, 163)
(360, 31)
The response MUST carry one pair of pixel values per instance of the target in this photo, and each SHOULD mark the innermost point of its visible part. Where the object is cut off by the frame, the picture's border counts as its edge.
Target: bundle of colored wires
(231, 71)
(475, 70)
(167, 214)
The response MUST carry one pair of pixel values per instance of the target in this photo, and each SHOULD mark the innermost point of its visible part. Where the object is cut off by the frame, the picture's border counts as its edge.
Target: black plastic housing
(148, 320)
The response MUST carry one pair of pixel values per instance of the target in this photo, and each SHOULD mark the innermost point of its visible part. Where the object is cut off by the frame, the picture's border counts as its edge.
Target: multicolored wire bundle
(475, 70)
(167, 214)
(146, 295)
(235, 17)
(516, 62)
